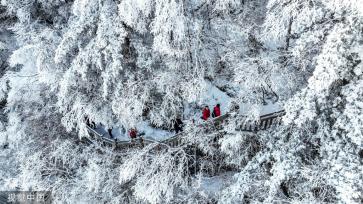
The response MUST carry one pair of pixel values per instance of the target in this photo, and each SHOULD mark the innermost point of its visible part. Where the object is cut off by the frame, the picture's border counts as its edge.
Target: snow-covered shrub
(157, 174)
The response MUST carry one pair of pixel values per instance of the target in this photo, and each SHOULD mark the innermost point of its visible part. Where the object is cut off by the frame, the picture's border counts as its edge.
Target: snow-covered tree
(122, 63)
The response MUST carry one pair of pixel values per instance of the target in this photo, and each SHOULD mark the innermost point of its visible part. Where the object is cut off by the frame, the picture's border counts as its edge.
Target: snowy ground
(142, 127)
(211, 96)
(212, 186)
(261, 110)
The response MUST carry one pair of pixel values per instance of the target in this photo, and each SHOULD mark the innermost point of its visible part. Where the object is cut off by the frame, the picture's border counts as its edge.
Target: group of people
(178, 123)
(89, 123)
(216, 112)
(132, 133)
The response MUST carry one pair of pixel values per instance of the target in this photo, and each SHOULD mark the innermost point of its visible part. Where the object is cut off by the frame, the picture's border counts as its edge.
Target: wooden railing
(176, 140)
(265, 122)
(116, 144)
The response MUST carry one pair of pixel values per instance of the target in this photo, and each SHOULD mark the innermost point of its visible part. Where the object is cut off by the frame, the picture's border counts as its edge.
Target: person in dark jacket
(206, 113)
(86, 119)
(178, 125)
(216, 111)
(110, 132)
(89, 123)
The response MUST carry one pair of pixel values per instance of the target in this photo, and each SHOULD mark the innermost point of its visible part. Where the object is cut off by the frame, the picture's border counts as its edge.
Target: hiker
(89, 123)
(216, 111)
(133, 133)
(178, 125)
(93, 125)
(206, 113)
(109, 130)
(86, 119)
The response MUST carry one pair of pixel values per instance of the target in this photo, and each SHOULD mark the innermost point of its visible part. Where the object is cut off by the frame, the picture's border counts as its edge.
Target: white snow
(212, 186)
(262, 110)
(212, 96)
(142, 127)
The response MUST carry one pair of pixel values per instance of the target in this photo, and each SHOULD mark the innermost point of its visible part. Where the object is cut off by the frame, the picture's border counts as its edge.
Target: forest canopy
(146, 64)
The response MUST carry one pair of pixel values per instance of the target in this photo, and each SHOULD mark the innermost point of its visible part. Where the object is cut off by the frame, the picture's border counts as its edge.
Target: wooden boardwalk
(265, 122)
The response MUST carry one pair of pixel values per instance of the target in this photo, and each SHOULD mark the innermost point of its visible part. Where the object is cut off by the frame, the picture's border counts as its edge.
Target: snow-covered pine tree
(144, 63)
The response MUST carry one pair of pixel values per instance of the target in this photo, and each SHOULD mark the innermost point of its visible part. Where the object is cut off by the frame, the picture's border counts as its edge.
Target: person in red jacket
(133, 133)
(206, 113)
(216, 111)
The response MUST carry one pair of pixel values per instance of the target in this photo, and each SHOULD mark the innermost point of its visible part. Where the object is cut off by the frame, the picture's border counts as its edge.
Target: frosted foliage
(325, 74)
(302, 13)
(225, 5)
(337, 61)
(2, 46)
(101, 56)
(169, 20)
(148, 63)
(238, 147)
(36, 58)
(351, 120)
(162, 177)
(136, 13)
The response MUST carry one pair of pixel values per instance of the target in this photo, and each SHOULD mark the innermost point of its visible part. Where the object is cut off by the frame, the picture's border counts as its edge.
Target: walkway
(265, 122)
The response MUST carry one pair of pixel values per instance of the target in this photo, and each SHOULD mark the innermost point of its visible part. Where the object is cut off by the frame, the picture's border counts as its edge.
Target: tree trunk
(288, 36)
